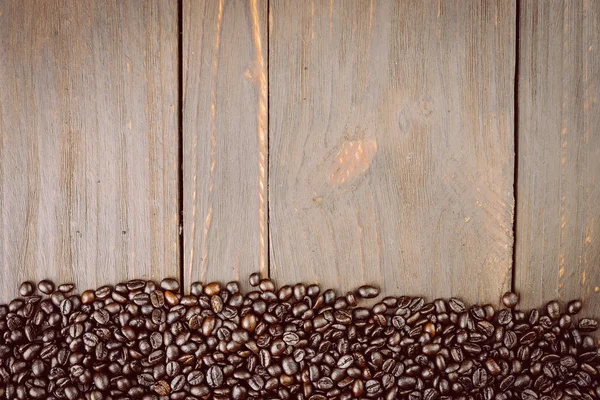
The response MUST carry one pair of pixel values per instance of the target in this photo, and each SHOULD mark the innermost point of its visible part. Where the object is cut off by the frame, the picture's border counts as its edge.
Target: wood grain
(391, 145)
(558, 214)
(225, 127)
(88, 141)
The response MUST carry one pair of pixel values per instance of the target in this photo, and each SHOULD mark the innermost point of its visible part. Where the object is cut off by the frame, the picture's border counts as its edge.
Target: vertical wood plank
(225, 139)
(558, 214)
(88, 141)
(392, 145)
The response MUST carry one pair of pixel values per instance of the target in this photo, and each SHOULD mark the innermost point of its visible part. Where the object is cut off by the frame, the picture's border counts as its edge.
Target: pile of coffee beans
(144, 340)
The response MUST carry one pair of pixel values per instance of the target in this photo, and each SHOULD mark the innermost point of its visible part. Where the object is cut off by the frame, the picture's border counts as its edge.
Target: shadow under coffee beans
(144, 340)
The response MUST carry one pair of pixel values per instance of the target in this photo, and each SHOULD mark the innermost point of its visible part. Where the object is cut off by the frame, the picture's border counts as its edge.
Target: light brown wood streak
(224, 108)
(391, 145)
(557, 251)
(263, 144)
(88, 136)
(213, 143)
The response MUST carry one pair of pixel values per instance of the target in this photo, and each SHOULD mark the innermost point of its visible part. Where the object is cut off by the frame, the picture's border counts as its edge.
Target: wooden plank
(558, 214)
(392, 145)
(88, 141)
(225, 139)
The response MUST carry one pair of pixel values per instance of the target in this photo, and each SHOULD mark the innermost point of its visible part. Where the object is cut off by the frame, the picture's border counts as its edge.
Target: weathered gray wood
(558, 214)
(88, 141)
(391, 148)
(225, 139)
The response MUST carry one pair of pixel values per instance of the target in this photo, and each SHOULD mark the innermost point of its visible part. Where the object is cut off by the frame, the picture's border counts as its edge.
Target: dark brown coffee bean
(101, 316)
(26, 289)
(505, 317)
(493, 367)
(45, 286)
(553, 310)
(101, 381)
(406, 382)
(66, 287)
(290, 366)
(102, 292)
(170, 284)
(214, 376)
(574, 306)
(506, 383)
(161, 388)
(368, 292)
(587, 325)
(345, 361)
(157, 298)
(195, 378)
(266, 285)
(196, 289)
(510, 299)
(457, 305)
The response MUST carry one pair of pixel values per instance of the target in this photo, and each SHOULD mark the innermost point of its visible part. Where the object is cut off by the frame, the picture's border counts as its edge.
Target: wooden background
(435, 148)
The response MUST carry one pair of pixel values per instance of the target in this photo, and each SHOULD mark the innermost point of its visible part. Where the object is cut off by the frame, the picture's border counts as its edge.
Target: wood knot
(352, 160)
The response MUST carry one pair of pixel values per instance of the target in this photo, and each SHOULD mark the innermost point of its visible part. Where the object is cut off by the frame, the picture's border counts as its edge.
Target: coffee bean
(553, 310)
(406, 382)
(171, 298)
(157, 298)
(169, 284)
(46, 286)
(345, 361)
(214, 376)
(195, 378)
(196, 289)
(587, 325)
(249, 322)
(510, 299)
(493, 367)
(457, 305)
(161, 388)
(368, 292)
(290, 366)
(212, 289)
(66, 287)
(574, 306)
(101, 316)
(87, 297)
(101, 381)
(102, 292)
(26, 289)
(266, 285)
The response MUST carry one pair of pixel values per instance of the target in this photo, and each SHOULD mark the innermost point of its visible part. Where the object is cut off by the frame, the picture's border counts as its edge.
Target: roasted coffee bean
(457, 305)
(161, 388)
(553, 310)
(87, 297)
(587, 325)
(101, 316)
(212, 289)
(214, 376)
(157, 298)
(510, 299)
(171, 298)
(46, 287)
(368, 292)
(573, 307)
(26, 289)
(170, 284)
